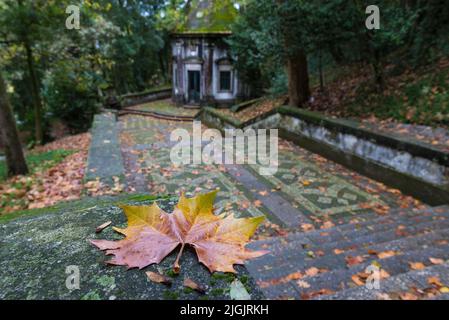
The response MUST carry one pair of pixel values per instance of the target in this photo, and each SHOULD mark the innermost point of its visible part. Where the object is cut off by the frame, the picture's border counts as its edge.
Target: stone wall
(413, 167)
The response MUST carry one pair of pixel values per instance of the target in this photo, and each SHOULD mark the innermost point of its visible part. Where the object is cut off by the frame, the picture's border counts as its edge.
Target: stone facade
(203, 72)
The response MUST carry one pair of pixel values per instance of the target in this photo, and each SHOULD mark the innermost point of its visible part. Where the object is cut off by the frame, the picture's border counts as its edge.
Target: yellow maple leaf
(152, 234)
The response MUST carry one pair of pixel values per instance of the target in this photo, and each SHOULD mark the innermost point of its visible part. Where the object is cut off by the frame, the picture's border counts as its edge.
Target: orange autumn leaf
(152, 234)
(386, 254)
(352, 261)
(417, 265)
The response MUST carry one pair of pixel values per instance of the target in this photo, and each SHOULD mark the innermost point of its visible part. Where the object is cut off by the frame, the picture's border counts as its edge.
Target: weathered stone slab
(35, 252)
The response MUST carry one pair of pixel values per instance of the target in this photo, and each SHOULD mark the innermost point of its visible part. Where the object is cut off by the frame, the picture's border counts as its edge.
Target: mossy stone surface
(36, 249)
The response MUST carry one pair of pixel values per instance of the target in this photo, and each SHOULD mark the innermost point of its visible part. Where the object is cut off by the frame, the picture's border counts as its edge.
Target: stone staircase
(332, 263)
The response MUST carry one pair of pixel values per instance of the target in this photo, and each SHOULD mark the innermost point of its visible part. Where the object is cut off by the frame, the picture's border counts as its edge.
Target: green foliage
(209, 16)
(70, 91)
(424, 101)
(269, 31)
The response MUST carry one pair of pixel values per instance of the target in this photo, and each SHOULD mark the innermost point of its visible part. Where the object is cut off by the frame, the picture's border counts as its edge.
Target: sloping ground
(36, 250)
(162, 109)
(57, 172)
(332, 263)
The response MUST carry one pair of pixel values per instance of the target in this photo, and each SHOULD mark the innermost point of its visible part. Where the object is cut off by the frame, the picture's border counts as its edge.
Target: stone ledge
(346, 126)
(414, 168)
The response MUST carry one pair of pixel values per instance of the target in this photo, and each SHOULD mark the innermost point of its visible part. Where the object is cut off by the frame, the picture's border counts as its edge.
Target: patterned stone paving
(165, 178)
(319, 189)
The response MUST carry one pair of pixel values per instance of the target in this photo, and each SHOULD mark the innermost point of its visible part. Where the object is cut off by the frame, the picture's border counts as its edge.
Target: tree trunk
(297, 69)
(320, 67)
(37, 102)
(36, 95)
(298, 79)
(15, 161)
(378, 72)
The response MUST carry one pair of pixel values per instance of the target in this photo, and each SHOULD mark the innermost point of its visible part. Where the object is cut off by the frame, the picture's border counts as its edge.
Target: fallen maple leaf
(152, 234)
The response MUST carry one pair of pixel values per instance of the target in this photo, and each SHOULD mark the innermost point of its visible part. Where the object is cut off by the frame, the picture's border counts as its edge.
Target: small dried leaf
(312, 271)
(338, 251)
(434, 281)
(158, 278)
(444, 290)
(386, 254)
(359, 279)
(189, 283)
(436, 261)
(103, 226)
(303, 284)
(417, 265)
(352, 261)
(307, 227)
(408, 296)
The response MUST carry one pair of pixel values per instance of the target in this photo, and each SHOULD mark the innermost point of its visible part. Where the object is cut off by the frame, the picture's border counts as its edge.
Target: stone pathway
(306, 189)
(105, 159)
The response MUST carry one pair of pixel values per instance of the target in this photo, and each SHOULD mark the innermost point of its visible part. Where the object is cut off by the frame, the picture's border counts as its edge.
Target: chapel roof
(209, 17)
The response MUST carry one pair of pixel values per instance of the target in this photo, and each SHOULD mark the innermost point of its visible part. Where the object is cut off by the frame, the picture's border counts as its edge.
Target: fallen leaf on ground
(307, 227)
(189, 283)
(158, 278)
(303, 284)
(417, 265)
(312, 271)
(310, 295)
(152, 234)
(386, 254)
(352, 261)
(327, 225)
(436, 261)
(434, 281)
(408, 296)
(103, 226)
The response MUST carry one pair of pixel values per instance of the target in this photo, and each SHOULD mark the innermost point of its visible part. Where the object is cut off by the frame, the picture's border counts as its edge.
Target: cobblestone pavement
(318, 191)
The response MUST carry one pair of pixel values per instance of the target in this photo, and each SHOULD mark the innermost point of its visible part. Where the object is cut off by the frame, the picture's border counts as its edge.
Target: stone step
(392, 286)
(352, 231)
(338, 280)
(274, 281)
(299, 257)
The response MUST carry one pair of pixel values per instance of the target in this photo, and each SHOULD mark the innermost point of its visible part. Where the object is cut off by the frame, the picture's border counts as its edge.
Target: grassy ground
(39, 161)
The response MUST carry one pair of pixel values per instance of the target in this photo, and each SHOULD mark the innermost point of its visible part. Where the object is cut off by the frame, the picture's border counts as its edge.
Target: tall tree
(295, 55)
(15, 160)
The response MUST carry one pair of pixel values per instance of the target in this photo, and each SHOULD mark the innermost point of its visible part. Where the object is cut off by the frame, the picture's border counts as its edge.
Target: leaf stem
(176, 267)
